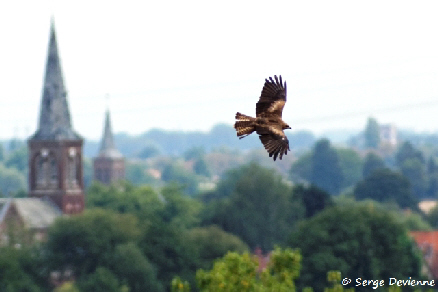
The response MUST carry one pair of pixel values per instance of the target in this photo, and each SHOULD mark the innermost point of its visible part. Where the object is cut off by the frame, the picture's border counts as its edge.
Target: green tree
(167, 247)
(136, 173)
(314, 199)
(84, 242)
(359, 241)
(432, 166)
(176, 173)
(11, 181)
(209, 250)
(415, 171)
(142, 201)
(22, 270)
(88, 171)
(239, 273)
(407, 151)
(351, 165)
(326, 172)
(301, 169)
(101, 280)
(68, 286)
(372, 162)
(384, 185)
(133, 268)
(201, 168)
(372, 134)
(432, 189)
(148, 151)
(179, 209)
(18, 158)
(259, 210)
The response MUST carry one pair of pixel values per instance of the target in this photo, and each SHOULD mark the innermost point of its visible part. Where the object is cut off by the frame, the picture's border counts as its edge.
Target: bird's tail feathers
(244, 125)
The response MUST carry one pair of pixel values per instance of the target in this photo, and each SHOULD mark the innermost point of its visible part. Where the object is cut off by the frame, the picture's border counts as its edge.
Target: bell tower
(109, 165)
(55, 150)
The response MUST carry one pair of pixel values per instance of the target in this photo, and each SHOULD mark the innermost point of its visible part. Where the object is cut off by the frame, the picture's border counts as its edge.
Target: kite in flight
(267, 123)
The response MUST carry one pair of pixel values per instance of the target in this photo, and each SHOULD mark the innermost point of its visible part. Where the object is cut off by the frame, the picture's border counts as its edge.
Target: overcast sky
(187, 65)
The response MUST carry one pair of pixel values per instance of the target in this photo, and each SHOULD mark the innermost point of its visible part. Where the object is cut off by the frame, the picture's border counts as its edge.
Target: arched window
(42, 168)
(72, 167)
(53, 171)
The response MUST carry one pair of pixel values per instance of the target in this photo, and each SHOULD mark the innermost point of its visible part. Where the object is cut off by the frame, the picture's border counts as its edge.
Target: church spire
(55, 121)
(107, 146)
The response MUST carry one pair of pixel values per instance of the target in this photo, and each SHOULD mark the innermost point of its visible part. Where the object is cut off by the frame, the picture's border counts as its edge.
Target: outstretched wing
(276, 142)
(272, 99)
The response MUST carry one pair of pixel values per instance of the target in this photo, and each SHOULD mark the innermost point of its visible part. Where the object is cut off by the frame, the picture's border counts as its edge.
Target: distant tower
(109, 165)
(55, 150)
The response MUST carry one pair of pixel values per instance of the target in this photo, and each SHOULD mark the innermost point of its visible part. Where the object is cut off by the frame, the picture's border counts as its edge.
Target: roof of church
(35, 212)
(54, 122)
(107, 146)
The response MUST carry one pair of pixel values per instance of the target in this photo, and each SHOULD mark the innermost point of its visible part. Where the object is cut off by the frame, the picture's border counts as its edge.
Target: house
(26, 220)
(427, 242)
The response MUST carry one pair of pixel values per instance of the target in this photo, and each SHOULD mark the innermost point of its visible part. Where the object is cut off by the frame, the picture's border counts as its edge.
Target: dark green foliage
(314, 199)
(179, 210)
(212, 242)
(301, 170)
(351, 165)
(167, 247)
(432, 190)
(326, 172)
(201, 168)
(84, 242)
(102, 280)
(148, 151)
(257, 207)
(130, 265)
(18, 159)
(361, 241)
(21, 270)
(407, 151)
(372, 162)
(88, 172)
(384, 185)
(136, 174)
(415, 171)
(372, 134)
(11, 181)
(124, 198)
(432, 166)
(176, 173)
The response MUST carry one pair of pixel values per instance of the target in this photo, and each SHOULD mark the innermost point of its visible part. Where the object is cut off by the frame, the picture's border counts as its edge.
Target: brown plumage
(267, 123)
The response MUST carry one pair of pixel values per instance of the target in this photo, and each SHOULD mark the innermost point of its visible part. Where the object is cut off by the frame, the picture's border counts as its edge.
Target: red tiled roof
(427, 241)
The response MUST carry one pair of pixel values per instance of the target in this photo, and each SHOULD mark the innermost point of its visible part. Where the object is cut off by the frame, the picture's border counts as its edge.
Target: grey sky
(187, 65)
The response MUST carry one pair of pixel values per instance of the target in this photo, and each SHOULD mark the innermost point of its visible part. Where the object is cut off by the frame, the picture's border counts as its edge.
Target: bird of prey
(267, 123)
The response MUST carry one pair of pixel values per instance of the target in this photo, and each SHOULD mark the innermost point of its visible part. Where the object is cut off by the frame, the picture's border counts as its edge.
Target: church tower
(109, 165)
(55, 150)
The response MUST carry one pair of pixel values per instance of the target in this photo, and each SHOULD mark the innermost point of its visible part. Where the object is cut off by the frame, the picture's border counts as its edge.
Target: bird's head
(286, 127)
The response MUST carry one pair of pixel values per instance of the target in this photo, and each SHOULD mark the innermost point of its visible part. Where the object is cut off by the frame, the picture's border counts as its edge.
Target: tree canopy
(361, 241)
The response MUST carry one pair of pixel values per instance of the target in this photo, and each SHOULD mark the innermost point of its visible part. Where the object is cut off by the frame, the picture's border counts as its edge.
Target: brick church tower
(109, 165)
(55, 150)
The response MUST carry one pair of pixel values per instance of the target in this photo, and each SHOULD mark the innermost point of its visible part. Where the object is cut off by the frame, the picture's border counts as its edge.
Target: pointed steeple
(55, 121)
(107, 146)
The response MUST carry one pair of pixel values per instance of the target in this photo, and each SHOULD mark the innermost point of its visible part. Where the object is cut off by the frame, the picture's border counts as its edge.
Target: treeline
(137, 238)
(175, 143)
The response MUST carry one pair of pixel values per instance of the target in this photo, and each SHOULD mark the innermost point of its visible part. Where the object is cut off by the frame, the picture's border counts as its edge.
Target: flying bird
(268, 122)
